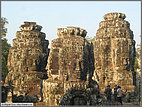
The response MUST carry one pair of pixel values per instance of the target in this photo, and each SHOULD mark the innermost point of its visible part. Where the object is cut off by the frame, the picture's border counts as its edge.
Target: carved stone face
(31, 63)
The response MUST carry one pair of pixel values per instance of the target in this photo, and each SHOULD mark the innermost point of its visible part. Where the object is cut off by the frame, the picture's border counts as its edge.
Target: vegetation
(90, 39)
(136, 66)
(3, 29)
(138, 55)
(5, 48)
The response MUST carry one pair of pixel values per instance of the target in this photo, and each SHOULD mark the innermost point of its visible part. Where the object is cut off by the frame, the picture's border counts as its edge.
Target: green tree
(136, 66)
(4, 49)
(3, 29)
(90, 39)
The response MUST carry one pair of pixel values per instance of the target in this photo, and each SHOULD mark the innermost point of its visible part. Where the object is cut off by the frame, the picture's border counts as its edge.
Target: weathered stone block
(27, 60)
(70, 64)
(114, 52)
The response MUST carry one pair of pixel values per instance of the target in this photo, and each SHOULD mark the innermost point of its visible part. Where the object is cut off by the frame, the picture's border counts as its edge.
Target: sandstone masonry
(70, 64)
(27, 60)
(75, 71)
(114, 52)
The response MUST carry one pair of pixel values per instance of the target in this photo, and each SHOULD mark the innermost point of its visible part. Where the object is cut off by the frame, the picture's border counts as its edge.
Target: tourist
(105, 92)
(119, 94)
(115, 93)
(108, 93)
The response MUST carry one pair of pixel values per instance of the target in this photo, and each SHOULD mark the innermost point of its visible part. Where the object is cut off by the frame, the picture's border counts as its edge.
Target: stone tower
(114, 52)
(27, 59)
(70, 64)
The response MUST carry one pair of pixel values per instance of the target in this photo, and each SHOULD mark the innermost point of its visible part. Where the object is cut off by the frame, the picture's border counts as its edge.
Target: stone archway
(79, 100)
(75, 97)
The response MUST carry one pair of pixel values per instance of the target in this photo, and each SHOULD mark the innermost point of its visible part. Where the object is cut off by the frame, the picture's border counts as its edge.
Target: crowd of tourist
(118, 92)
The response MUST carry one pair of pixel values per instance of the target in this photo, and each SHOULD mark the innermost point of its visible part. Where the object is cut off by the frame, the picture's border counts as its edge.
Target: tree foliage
(4, 49)
(90, 39)
(136, 66)
(3, 29)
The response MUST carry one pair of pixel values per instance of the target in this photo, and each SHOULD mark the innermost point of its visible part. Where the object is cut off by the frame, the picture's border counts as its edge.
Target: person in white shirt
(119, 94)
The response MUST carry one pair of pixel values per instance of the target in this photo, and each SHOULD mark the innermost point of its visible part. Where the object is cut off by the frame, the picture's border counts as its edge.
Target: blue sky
(56, 14)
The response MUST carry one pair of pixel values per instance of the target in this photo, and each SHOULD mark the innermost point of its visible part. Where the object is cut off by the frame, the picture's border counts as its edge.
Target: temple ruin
(70, 65)
(27, 60)
(114, 51)
(74, 72)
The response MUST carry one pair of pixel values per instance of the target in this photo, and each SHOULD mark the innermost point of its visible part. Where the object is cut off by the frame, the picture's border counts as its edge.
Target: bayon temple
(73, 71)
